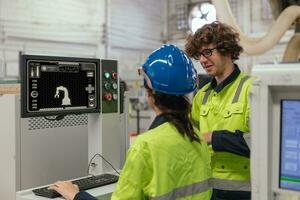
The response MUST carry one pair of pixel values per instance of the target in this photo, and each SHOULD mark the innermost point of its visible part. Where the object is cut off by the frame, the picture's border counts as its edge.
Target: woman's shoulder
(155, 132)
(156, 136)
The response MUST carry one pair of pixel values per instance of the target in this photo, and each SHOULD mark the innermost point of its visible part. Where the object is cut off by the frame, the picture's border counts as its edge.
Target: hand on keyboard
(66, 188)
(83, 184)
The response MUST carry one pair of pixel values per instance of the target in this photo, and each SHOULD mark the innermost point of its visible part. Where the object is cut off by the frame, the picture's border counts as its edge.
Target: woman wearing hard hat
(169, 161)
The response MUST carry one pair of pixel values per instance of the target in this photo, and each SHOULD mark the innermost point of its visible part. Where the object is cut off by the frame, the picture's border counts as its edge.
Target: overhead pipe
(255, 45)
(292, 51)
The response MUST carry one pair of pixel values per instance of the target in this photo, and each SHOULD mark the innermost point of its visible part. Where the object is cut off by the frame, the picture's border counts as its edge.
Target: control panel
(59, 85)
(110, 86)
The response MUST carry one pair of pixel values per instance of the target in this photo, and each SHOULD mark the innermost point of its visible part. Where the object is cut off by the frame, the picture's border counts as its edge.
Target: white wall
(56, 27)
(135, 29)
(126, 30)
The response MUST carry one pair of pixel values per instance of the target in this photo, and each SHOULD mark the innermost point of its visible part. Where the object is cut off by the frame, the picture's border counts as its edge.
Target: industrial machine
(67, 114)
(275, 132)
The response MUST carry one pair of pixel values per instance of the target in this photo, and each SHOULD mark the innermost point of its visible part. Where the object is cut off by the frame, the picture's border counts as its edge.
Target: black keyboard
(83, 184)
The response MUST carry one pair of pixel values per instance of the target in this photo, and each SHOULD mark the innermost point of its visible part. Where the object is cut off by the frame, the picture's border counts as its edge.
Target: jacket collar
(159, 119)
(218, 88)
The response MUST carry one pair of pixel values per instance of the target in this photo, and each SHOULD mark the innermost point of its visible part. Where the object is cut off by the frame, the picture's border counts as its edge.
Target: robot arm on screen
(66, 100)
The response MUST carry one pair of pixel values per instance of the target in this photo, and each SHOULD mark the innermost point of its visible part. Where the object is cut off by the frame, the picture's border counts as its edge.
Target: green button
(107, 86)
(107, 75)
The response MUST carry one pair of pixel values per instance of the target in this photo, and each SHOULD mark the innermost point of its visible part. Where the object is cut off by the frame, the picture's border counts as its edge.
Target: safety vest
(164, 165)
(226, 110)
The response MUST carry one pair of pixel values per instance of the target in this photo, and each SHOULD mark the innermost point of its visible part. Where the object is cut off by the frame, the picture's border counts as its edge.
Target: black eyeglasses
(205, 52)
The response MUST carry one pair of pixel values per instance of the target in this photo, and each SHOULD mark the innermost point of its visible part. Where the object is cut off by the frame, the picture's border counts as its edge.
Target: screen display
(59, 85)
(290, 145)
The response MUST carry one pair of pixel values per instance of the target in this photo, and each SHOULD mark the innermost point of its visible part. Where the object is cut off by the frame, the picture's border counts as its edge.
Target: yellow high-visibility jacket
(164, 165)
(226, 110)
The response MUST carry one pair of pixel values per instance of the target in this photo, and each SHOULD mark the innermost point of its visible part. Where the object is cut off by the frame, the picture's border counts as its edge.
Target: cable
(98, 154)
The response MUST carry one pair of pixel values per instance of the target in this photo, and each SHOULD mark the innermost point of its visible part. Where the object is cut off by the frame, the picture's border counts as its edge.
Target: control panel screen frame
(66, 105)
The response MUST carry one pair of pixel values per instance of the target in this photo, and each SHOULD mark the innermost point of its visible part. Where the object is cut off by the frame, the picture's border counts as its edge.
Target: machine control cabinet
(110, 86)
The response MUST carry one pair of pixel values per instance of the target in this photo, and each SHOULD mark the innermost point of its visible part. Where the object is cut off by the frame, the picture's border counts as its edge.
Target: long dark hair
(176, 109)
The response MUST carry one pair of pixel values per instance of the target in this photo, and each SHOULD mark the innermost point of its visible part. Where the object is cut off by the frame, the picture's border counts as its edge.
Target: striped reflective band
(239, 89)
(236, 95)
(205, 98)
(247, 138)
(231, 185)
(184, 191)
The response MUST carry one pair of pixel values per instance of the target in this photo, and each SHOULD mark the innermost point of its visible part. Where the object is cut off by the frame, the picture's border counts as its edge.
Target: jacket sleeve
(84, 196)
(231, 142)
(133, 176)
(132, 179)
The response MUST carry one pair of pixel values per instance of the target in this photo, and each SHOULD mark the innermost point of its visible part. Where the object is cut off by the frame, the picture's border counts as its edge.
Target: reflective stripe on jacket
(226, 110)
(164, 165)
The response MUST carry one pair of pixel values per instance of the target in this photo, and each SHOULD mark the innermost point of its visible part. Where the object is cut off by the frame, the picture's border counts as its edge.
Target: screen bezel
(24, 86)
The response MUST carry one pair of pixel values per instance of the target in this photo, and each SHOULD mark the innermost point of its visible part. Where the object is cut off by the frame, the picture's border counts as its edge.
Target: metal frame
(272, 82)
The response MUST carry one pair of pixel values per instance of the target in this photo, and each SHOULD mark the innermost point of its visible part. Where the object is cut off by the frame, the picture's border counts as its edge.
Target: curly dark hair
(224, 37)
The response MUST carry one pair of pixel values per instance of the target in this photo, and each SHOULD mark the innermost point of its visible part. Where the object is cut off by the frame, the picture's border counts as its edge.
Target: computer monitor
(289, 177)
(53, 85)
(275, 131)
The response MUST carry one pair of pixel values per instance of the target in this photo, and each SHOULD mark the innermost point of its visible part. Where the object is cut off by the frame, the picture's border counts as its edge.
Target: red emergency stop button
(108, 96)
(114, 75)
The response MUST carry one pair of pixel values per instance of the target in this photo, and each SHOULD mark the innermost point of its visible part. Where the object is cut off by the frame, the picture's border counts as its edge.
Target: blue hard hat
(170, 71)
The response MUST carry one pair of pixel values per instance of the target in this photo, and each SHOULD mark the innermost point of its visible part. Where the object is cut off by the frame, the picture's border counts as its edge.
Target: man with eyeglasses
(221, 109)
